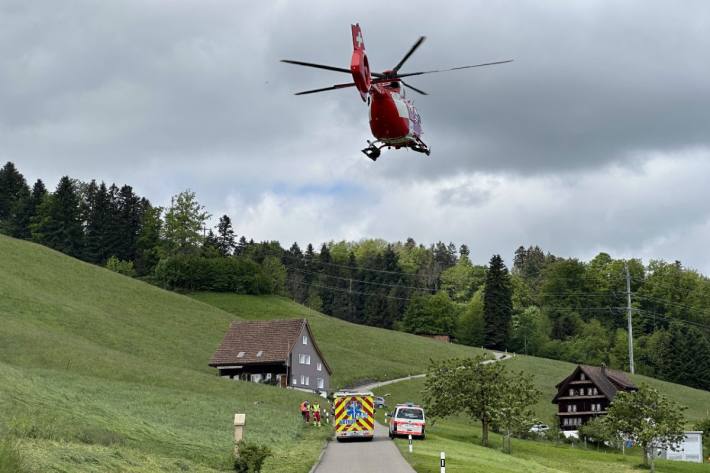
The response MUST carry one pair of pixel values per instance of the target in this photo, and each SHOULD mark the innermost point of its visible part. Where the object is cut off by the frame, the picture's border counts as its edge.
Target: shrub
(196, 273)
(251, 457)
(122, 267)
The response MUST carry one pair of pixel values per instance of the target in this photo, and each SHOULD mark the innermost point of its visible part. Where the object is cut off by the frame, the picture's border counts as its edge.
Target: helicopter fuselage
(394, 120)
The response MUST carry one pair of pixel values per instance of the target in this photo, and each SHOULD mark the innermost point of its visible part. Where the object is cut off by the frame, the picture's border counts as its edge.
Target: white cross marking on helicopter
(359, 39)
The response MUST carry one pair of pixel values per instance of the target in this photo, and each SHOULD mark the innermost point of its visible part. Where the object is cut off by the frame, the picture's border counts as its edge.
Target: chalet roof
(261, 341)
(608, 381)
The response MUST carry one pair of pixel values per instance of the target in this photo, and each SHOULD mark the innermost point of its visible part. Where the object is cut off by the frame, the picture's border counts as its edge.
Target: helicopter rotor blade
(408, 74)
(413, 88)
(317, 66)
(324, 89)
(409, 53)
(327, 68)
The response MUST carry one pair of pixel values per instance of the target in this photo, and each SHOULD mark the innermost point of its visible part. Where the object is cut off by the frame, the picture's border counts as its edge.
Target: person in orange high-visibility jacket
(304, 411)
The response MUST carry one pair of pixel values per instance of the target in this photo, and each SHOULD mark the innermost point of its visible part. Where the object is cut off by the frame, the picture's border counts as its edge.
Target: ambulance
(407, 419)
(354, 415)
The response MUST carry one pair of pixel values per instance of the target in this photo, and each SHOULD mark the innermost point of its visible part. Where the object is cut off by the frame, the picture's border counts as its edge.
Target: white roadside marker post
(410, 443)
(442, 462)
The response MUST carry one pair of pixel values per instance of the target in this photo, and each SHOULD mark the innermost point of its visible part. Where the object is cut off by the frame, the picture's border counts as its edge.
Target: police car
(407, 419)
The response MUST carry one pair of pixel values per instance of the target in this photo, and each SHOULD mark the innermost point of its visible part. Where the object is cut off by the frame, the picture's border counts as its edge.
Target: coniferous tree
(210, 246)
(295, 276)
(226, 241)
(128, 225)
(27, 210)
(310, 270)
(241, 246)
(98, 227)
(497, 304)
(13, 192)
(58, 225)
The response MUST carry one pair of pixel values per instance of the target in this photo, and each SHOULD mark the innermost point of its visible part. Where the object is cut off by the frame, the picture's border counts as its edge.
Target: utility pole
(628, 315)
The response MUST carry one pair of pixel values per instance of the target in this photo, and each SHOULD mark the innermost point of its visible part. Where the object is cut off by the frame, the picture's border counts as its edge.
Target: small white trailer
(690, 449)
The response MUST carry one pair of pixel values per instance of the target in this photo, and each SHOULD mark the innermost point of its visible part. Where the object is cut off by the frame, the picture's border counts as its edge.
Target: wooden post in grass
(410, 443)
(239, 421)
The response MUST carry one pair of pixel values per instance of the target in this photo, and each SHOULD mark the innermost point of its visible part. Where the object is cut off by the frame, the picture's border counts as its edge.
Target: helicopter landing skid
(420, 147)
(372, 151)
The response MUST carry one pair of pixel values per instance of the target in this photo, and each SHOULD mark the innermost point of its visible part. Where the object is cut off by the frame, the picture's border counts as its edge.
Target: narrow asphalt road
(380, 455)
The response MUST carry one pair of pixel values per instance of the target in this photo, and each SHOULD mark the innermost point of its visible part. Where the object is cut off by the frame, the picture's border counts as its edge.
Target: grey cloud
(170, 95)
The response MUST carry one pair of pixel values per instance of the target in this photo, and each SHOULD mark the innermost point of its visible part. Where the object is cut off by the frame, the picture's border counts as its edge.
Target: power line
(356, 268)
(317, 273)
(350, 291)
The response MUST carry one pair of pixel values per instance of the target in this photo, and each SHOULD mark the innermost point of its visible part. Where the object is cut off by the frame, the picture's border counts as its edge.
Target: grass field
(100, 372)
(460, 439)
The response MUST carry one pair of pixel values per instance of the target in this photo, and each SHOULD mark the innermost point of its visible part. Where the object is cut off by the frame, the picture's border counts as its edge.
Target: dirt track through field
(380, 455)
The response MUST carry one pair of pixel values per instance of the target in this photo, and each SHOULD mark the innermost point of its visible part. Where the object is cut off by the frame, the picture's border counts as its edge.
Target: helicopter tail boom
(359, 66)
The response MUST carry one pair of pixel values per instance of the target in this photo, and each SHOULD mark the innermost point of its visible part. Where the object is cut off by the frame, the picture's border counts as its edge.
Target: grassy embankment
(100, 372)
(460, 438)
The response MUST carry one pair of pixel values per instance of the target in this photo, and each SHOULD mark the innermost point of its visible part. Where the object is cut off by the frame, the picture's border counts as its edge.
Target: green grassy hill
(100, 372)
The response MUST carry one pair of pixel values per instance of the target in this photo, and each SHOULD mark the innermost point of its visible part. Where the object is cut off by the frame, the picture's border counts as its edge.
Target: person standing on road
(315, 406)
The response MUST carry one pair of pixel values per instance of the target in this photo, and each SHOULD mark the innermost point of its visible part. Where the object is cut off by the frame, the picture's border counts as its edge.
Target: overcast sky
(597, 137)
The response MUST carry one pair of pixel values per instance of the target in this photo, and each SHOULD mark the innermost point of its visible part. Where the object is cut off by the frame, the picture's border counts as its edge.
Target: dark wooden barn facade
(587, 393)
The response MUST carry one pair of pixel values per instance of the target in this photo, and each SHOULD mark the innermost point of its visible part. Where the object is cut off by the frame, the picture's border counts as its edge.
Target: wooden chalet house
(587, 393)
(279, 352)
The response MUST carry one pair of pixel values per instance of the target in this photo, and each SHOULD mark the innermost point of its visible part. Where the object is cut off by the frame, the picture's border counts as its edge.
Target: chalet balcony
(580, 413)
(575, 398)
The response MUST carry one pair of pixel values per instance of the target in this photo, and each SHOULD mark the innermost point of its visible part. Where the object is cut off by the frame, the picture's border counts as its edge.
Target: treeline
(114, 227)
(544, 305)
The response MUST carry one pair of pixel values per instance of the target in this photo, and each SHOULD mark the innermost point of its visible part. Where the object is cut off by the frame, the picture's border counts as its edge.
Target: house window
(571, 392)
(582, 377)
(304, 359)
(240, 354)
(589, 391)
(256, 378)
(308, 359)
(321, 383)
(295, 380)
(308, 381)
(319, 367)
(268, 376)
(303, 379)
(595, 391)
(569, 408)
(574, 407)
(305, 340)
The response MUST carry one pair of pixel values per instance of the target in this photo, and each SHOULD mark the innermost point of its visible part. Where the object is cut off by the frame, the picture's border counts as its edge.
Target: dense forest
(544, 305)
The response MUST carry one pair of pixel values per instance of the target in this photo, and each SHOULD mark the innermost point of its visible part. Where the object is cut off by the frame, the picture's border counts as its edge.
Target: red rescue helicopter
(394, 121)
